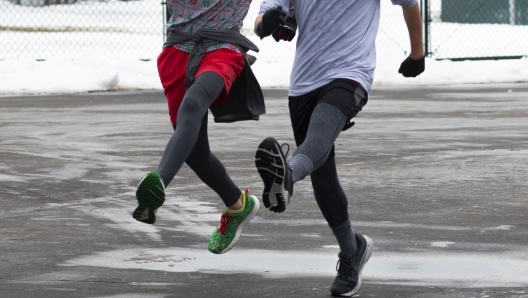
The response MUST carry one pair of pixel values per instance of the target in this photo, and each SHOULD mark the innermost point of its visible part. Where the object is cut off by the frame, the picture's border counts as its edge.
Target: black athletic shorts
(347, 95)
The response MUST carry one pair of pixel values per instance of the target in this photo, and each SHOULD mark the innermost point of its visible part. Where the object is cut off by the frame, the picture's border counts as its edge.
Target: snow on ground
(92, 72)
(105, 51)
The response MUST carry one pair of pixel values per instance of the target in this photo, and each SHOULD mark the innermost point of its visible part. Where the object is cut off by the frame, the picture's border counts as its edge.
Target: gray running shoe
(348, 280)
(276, 175)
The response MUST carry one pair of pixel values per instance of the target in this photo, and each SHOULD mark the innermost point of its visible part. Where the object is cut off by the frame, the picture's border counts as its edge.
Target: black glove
(287, 31)
(272, 19)
(412, 68)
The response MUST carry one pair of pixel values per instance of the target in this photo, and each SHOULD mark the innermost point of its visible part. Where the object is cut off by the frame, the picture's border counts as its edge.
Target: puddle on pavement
(441, 243)
(454, 269)
(134, 295)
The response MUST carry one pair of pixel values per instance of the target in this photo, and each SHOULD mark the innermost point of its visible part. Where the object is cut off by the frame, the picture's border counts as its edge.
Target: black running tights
(328, 193)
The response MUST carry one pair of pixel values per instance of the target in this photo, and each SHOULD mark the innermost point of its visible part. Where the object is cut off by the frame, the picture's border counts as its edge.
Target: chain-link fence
(48, 28)
(42, 29)
(476, 29)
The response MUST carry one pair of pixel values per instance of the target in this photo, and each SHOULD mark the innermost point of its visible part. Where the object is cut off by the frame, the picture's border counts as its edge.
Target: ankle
(238, 206)
(301, 166)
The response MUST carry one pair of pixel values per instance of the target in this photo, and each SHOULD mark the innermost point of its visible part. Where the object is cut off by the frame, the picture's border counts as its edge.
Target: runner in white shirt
(330, 83)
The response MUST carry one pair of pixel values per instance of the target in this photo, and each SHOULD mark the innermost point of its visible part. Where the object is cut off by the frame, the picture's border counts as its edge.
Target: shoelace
(345, 270)
(224, 222)
(287, 150)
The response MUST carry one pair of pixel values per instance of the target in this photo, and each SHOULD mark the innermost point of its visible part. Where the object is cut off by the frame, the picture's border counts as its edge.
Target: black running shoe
(348, 280)
(276, 175)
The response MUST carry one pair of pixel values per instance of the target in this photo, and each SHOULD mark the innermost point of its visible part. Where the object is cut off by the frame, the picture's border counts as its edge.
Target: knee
(199, 156)
(322, 172)
(190, 105)
(191, 162)
(189, 110)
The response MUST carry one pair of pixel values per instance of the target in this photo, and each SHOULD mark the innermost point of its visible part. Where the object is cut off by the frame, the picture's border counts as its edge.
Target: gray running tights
(190, 144)
(326, 122)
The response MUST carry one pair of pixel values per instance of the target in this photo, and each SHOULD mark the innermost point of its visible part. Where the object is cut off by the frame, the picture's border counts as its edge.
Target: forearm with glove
(287, 31)
(415, 63)
(266, 24)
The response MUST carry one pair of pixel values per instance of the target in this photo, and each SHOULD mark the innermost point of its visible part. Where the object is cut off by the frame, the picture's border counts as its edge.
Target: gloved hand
(271, 19)
(412, 68)
(287, 31)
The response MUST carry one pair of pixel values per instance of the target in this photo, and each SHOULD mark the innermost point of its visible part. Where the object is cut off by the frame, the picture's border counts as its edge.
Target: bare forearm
(257, 21)
(414, 25)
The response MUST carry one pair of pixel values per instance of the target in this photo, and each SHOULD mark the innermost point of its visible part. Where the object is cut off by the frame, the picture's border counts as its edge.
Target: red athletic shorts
(172, 66)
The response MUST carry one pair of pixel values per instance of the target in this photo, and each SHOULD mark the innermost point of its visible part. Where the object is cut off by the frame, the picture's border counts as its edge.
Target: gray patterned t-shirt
(190, 15)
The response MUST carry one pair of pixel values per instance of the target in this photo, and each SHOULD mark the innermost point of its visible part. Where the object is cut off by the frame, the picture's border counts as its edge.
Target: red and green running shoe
(228, 232)
(150, 195)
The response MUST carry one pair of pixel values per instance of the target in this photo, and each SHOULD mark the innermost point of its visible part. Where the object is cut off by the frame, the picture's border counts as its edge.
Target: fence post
(512, 12)
(426, 16)
(165, 17)
(167, 10)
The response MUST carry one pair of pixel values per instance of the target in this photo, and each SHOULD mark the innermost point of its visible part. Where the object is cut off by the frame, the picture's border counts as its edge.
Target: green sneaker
(150, 195)
(227, 233)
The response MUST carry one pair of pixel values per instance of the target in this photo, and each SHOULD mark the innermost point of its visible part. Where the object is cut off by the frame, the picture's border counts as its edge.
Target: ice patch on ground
(426, 269)
(133, 295)
(11, 178)
(500, 228)
(441, 244)
(331, 246)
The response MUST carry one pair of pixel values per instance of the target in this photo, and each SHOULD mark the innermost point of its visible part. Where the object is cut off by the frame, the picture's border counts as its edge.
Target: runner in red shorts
(203, 57)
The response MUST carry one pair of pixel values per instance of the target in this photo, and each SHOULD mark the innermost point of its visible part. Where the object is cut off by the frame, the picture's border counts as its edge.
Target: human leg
(321, 115)
(210, 169)
(151, 190)
(333, 204)
(317, 119)
(324, 126)
(241, 206)
(326, 122)
(217, 72)
(197, 100)
(190, 143)
(355, 249)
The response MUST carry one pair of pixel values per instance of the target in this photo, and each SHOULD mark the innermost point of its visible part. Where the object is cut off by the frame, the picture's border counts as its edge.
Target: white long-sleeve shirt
(335, 39)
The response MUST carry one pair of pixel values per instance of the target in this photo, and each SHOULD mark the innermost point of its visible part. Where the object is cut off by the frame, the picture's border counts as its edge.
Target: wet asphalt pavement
(437, 177)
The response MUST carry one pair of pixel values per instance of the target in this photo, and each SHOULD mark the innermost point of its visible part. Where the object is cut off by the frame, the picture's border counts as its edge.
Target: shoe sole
(146, 211)
(270, 165)
(248, 218)
(366, 257)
